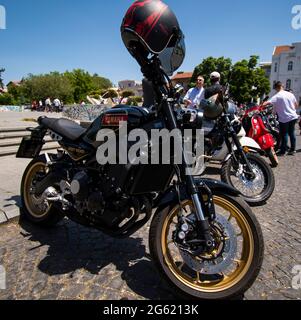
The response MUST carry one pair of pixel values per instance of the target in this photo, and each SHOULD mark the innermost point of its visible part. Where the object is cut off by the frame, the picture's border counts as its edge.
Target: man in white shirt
(285, 105)
(57, 104)
(195, 95)
(48, 105)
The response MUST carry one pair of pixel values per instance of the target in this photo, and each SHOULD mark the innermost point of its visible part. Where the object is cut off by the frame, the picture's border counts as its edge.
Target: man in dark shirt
(215, 87)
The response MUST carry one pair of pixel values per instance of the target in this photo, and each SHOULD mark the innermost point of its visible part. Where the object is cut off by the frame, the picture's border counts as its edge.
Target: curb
(9, 216)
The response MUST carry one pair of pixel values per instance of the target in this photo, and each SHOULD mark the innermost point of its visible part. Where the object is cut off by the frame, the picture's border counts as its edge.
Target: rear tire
(32, 206)
(277, 139)
(273, 157)
(179, 276)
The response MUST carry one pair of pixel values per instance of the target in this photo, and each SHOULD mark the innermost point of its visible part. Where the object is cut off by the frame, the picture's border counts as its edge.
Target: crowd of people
(284, 102)
(194, 96)
(47, 106)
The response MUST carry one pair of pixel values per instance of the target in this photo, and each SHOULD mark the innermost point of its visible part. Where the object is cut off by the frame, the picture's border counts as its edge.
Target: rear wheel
(37, 209)
(277, 139)
(273, 157)
(225, 272)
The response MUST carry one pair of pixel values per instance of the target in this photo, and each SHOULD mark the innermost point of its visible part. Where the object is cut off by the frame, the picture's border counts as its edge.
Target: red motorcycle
(256, 123)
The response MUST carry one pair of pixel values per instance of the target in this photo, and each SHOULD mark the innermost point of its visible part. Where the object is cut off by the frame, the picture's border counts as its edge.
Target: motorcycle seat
(63, 127)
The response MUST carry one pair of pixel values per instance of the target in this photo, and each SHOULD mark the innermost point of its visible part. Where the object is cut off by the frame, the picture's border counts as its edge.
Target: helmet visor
(172, 57)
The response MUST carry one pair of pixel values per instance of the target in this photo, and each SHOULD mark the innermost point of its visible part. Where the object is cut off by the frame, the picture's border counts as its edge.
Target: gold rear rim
(195, 279)
(38, 207)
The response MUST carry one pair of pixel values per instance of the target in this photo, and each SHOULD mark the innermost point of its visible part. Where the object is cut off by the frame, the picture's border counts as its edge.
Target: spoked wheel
(228, 270)
(257, 189)
(36, 208)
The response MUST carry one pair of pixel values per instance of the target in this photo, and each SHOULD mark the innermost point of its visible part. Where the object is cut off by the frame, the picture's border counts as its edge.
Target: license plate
(30, 148)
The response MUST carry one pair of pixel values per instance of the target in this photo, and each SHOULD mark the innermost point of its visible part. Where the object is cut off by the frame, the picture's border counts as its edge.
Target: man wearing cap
(285, 105)
(195, 95)
(215, 87)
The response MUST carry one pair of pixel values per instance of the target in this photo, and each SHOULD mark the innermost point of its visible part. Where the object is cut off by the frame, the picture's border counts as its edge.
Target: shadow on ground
(213, 171)
(12, 201)
(72, 247)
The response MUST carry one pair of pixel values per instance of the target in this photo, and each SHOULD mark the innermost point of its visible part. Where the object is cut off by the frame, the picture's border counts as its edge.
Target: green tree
(1, 80)
(53, 85)
(248, 81)
(134, 100)
(100, 82)
(209, 65)
(81, 82)
(18, 94)
(6, 99)
(69, 87)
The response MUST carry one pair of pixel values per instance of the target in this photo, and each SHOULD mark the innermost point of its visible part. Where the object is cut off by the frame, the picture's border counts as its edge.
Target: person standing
(195, 95)
(285, 105)
(215, 87)
(57, 105)
(48, 106)
(40, 105)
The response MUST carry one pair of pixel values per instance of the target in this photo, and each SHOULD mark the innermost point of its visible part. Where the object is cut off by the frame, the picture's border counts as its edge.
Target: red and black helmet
(151, 24)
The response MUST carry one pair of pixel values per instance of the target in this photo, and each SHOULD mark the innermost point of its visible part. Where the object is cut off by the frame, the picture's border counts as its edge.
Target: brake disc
(224, 259)
(257, 183)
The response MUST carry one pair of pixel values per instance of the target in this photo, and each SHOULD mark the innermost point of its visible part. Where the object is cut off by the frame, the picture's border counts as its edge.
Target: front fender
(248, 142)
(170, 195)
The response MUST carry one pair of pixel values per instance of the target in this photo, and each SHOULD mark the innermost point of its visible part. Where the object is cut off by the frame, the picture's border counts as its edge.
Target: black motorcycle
(204, 239)
(242, 166)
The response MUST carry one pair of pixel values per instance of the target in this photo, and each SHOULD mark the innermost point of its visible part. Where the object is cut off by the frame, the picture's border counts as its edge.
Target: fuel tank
(135, 117)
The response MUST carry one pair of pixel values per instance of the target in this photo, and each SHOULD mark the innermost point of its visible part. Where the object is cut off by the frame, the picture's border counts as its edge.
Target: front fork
(240, 150)
(192, 189)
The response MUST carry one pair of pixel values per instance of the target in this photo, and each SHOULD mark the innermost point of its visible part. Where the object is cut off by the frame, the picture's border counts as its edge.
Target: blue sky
(59, 35)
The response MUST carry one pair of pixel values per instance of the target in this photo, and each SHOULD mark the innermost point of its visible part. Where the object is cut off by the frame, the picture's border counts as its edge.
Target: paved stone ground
(72, 262)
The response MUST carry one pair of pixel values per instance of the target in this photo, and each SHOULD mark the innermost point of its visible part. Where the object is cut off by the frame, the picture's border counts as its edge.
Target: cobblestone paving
(72, 262)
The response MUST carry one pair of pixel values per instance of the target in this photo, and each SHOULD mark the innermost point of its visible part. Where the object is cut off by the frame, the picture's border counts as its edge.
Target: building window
(290, 66)
(274, 83)
(276, 67)
(288, 84)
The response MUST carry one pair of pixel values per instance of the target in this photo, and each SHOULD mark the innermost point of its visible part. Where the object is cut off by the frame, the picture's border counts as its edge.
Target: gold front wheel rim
(226, 281)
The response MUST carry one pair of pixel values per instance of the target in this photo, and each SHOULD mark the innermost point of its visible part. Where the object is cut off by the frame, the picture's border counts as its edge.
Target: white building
(132, 85)
(267, 68)
(286, 67)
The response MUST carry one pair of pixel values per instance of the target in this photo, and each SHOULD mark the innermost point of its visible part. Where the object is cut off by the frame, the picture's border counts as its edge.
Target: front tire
(255, 191)
(185, 278)
(35, 209)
